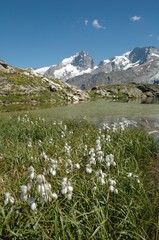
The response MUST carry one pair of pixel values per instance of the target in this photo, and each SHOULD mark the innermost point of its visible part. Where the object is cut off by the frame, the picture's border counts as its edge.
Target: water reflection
(48, 105)
(150, 100)
(138, 113)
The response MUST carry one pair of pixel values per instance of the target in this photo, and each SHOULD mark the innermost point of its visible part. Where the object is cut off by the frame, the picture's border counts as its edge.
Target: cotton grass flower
(92, 160)
(30, 144)
(76, 166)
(24, 193)
(67, 148)
(69, 166)
(109, 159)
(54, 195)
(100, 156)
(130, 174)
(53, 165)
(92, 152)
(40, 178)
(98, 145)
(67, 188)
(114, 128)
(101, 176)
(31, 172)
(33, 206)
(8, 198)
(44, 189)
(108, 138)
(88, 169)
(44, 155)
(106, 127)
(112, 186)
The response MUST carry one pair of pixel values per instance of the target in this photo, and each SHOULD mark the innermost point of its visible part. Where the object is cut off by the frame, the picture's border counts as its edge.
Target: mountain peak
(83, 60)
(82, 63)
(72, 66)
(141, 55)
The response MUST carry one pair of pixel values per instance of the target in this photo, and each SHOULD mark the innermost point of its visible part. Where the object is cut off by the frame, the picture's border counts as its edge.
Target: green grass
(18, 88)
(115, 202)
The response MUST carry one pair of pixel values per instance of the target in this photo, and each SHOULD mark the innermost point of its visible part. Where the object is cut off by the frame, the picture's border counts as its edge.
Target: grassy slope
(19, 88)
(95, 210)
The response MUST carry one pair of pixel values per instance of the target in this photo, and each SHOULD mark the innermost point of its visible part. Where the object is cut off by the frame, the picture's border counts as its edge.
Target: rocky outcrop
(6, 68)
(21, 86)
(150, 90)
(126, 91)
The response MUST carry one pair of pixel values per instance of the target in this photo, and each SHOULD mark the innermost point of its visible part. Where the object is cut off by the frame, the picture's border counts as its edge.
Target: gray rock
(144, 68)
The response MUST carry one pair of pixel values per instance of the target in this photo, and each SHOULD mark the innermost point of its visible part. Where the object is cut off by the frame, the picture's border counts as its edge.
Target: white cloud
(97, 25)
(85, 22)
(135, 18)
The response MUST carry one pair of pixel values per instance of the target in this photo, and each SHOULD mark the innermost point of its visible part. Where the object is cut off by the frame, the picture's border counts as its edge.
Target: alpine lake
(135, 112)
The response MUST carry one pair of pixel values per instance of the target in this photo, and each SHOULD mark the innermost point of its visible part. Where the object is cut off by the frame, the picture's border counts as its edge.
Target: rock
(10, 69)
(53, 88)
(94, 88)
(132, 92)
(149, 94)
(2, 68)
(26, 73)
(3, 64)
(101, 92)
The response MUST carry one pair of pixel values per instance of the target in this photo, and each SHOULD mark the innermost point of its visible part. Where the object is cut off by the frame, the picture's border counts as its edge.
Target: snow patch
(69, 71)
(69, 60)
(155, 55)
(41, 70)
(106, 61)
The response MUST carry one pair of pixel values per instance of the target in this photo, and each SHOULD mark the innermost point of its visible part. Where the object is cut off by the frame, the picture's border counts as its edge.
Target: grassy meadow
(72, 180)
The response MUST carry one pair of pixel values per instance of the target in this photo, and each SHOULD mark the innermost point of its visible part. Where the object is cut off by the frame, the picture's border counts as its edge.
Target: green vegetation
(71, 180)
(22, 88)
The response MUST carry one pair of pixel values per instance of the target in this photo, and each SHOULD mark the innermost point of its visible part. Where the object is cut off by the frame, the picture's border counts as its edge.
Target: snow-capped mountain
(131, 59)
(140, 65)
(137, 65)
(70, 67)
(41, 70)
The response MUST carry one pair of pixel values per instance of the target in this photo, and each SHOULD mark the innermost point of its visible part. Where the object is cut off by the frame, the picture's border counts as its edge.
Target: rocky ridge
(145, 92)
(75, 65)
(141, 65)
(21, 86)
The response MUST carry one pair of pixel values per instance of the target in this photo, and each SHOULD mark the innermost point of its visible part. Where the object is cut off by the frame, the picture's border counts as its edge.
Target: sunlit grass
(71, 180)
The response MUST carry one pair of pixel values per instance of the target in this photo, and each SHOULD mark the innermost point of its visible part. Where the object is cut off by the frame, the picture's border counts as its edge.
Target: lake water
(102, 111)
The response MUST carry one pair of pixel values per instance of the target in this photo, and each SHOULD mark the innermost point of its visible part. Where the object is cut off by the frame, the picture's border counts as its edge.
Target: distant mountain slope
(73, 66)
(141, 65)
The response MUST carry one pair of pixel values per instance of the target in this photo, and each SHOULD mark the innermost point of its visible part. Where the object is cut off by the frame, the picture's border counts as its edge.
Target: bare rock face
(72, 66)
(141, 65)
(83, 60)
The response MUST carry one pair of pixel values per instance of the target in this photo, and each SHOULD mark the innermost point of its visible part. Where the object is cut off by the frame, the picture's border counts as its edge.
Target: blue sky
(37, 33)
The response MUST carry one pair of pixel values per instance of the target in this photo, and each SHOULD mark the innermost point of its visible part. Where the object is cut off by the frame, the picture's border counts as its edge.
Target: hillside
(21, 86)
